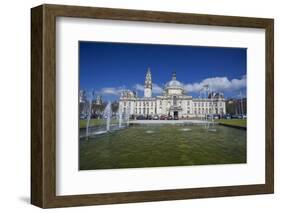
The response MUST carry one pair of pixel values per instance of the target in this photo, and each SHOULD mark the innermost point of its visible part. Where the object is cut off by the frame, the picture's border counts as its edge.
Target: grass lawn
(168, 145)
(234, 122)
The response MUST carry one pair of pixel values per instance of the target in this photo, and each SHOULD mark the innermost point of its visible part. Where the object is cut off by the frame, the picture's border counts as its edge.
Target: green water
(158, 146)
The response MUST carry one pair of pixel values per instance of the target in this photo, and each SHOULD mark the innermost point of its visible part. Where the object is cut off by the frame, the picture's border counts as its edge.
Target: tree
(115, 107)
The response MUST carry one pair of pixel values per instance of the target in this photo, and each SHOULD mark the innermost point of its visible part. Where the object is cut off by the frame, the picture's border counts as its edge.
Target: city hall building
(174, 101)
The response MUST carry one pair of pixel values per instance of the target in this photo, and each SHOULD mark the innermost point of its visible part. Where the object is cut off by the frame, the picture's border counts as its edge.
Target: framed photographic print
(136, 106)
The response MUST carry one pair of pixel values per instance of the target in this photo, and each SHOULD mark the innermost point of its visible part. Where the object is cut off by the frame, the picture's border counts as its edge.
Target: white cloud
(138, 87)
(156, 89)
(221, 84)
(111, 91)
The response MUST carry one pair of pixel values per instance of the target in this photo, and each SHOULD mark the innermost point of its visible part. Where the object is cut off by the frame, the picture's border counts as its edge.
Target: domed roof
(174, 82)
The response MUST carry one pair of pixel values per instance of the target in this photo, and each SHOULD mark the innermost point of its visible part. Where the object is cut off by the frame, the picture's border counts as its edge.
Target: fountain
(87, 126)
(120, 117)
(209, 122)
(128, 116)
(212, 115)
(107, 115)
(89, 111)
(107, 125)
(185, 129)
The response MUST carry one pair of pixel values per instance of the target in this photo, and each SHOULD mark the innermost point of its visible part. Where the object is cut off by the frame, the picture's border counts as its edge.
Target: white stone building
(174, 101)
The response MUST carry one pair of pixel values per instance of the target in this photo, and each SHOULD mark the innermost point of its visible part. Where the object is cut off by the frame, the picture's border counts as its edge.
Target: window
(174, 100)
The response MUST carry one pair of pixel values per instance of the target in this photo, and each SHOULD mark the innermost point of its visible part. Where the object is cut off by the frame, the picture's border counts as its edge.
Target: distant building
(83, 103)
(236, 106)
(82, 96)
(98, 100)
(174, 101)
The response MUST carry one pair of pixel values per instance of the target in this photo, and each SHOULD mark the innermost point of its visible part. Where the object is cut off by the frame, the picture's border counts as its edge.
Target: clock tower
(148, 85)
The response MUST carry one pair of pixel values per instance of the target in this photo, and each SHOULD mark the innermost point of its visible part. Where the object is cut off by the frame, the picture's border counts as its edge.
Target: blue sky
(108, 68)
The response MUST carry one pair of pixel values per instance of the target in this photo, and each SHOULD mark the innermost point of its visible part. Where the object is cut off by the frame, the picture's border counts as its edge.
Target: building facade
(174, 101)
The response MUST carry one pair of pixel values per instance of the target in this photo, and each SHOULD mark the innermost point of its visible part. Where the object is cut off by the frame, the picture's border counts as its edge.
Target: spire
(148, 71)
(174, 76)
(148, 79)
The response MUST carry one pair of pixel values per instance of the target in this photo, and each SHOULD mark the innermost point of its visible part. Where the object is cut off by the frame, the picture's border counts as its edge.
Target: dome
(174, 82)
(174, 87)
